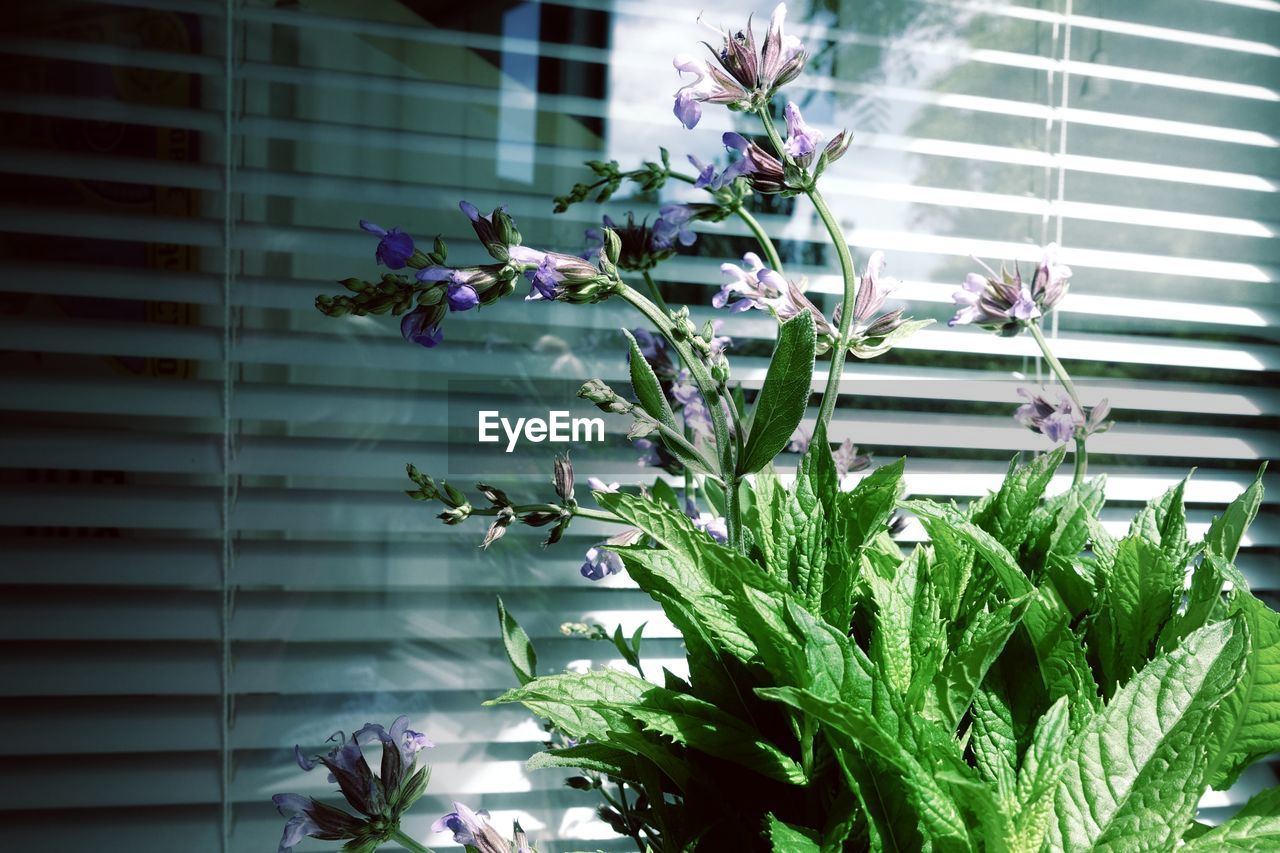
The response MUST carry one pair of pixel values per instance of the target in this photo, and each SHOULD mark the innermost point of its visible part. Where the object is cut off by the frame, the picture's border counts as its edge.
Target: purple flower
(712, 525)
(308, 817)
(598, 485)
(685, 394)
(1051, 279)
(672, 226)
(799, 442)
(874, 290)
(1058, 421)
(497, 231)
(648, 453)
(750, 286)
(564, 277)
(741, 75)
(422, 326)
(600, 563)
(802, 140)
(460, 293)
(767, 173)
(472, 829)
(1005, 303)
(395, 249)
(709, 178)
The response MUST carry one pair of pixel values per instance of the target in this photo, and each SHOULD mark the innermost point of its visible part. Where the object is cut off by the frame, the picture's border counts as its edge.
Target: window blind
(207, 557)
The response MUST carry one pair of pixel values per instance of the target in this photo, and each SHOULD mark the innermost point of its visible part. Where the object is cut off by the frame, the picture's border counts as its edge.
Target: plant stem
(840, 350)
(408, 843)
(657, 294)
(520, 509)
(711, 395)
(1082, 454)
(772, 261)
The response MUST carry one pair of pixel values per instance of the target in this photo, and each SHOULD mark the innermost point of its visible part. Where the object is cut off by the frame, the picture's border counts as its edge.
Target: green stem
(757, 230)
(711, 395)
(521, 509)
(657, 294)
(408, 843)
(1082, 454)
(841, 348)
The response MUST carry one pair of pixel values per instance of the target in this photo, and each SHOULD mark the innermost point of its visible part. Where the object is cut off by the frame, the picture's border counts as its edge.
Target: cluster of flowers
(381, 799)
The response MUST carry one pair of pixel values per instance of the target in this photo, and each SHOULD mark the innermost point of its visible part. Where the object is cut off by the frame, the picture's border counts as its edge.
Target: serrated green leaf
(1255, 827)
(1163, 521)
(1247, 725)
(595, 757)
(792, 839)
(994, 744)
(1226, 530)
(939, 816)
(784, 396)
(1141, 591)
(1008, 514)
(1038, 777)
(601, 704)
(1137, 769)
(957, 679)
(1062, 665)
(524, 660)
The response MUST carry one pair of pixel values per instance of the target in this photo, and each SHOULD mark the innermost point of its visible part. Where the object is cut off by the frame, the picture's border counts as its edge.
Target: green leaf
(939, 816)
(1226, 530)
(1247, 725)
(1137, 769)
(993, 741)
(595, 757)
(1007, 517)
(956, 681)
(1255, 827)
(524, 660)
(1038, 778)
(859, 516)
(784, 396)
(1163, 521)
(602, 704)
(1062, 665)
(1142, 589)
(792, 839)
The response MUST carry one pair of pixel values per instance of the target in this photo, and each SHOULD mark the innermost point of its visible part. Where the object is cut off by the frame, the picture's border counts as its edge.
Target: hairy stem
(757, 230)
(1082, 454)
(408, 843)
(711, 395)
(841, 348)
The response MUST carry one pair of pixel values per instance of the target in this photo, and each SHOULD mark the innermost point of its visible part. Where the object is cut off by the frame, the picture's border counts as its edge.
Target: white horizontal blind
(207, 557)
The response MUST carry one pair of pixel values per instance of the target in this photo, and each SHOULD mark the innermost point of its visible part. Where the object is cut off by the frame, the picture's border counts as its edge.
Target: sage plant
(1023, 680)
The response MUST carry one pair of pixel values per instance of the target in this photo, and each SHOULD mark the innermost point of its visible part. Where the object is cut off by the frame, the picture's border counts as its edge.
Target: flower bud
(612, 245)
(605, 398)
(563, 477)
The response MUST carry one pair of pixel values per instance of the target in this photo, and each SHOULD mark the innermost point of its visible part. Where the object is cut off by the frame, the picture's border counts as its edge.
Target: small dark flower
(460, 294)
(672, 227)
(422, 325)
(599, 564)
(394, 249)
(381, 798)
